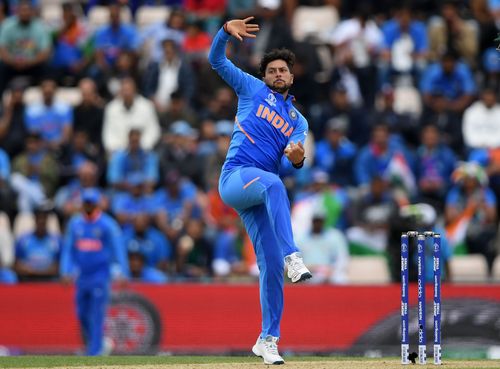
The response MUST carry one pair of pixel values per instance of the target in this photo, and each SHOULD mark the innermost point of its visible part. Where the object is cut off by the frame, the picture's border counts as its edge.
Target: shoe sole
(303, 277)
(280, 362)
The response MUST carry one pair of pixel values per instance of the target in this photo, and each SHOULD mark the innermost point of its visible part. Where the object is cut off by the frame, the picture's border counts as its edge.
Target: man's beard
(281, 89)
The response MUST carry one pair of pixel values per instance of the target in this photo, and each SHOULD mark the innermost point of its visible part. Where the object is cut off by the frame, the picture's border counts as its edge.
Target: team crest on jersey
(271, 99)
(293, 114)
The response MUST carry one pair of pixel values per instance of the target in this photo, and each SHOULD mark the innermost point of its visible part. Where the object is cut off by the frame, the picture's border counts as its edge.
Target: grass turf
(221, 362)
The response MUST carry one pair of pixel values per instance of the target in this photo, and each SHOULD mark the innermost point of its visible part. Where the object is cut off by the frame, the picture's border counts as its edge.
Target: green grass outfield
(223, 362)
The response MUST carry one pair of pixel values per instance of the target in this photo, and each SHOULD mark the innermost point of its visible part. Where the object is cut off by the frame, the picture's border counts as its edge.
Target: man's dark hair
(277, 54)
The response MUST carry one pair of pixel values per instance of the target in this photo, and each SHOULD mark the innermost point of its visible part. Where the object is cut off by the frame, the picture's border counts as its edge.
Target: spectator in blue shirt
(127, 205)
(7, 276)
(131, 161)
(405, 46)
(175, 204)
(335, 154)
(7, 196)
(113, 38)
(149, 242)
(141, 272)
(435, 164)
(37, 253)
(374, 159)
(453, 79)
(52, 118)
(70, 58)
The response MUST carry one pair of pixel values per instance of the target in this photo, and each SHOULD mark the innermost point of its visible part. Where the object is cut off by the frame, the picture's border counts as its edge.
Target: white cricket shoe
(297, 271)
(267, 348)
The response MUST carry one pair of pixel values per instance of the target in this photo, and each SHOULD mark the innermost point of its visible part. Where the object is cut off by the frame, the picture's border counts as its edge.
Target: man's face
(448, 65)
(41, 223)
(278, 76)
(24, 13)
(48, 91)
(489, 99)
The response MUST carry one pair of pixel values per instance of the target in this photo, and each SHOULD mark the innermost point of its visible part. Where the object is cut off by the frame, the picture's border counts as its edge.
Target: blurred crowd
(401, 99)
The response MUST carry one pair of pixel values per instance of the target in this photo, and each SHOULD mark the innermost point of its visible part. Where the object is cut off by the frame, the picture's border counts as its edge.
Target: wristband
(300, 164)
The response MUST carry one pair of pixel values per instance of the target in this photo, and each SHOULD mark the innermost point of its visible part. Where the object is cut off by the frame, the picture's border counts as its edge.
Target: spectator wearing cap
(127, 205)
(129, 110)
(491, 67)
(35, 174)
(37, 252)
(175, 203)
(53, 119)
(214, 160)
(24, 46)
(12, 128)
(111, 39)
(143, 238)
(68, 198)
(453, 79)
(471, 205)
(481, 122)
(178, 151)
(435, 163)
(335, 154)
(172, 73)
(133, 160)
(325, 251)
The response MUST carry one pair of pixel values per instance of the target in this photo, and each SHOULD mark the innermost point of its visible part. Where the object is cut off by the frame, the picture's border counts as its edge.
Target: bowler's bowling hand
(240, 28)
(295, 152)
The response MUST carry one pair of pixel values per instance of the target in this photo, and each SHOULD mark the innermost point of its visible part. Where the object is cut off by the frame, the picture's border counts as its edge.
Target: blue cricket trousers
(261, 200)
(92, 301)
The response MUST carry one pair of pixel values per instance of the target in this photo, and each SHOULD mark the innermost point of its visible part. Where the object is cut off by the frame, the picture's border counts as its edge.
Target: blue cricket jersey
(92, 245)
(265, 122)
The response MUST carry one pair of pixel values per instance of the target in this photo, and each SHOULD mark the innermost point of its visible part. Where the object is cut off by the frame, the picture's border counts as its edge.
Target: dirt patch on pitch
(327, 364)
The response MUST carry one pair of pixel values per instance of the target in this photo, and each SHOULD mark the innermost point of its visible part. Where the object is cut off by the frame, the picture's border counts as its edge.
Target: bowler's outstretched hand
(240, 28)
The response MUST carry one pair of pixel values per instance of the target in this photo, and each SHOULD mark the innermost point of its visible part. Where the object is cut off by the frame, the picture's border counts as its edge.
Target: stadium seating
(468, 268)
(496, 269)
(69, 95)
(367, 270)
(99, 15)
(147, 15)
(25, 223)
(6, 241)
(314, 22)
